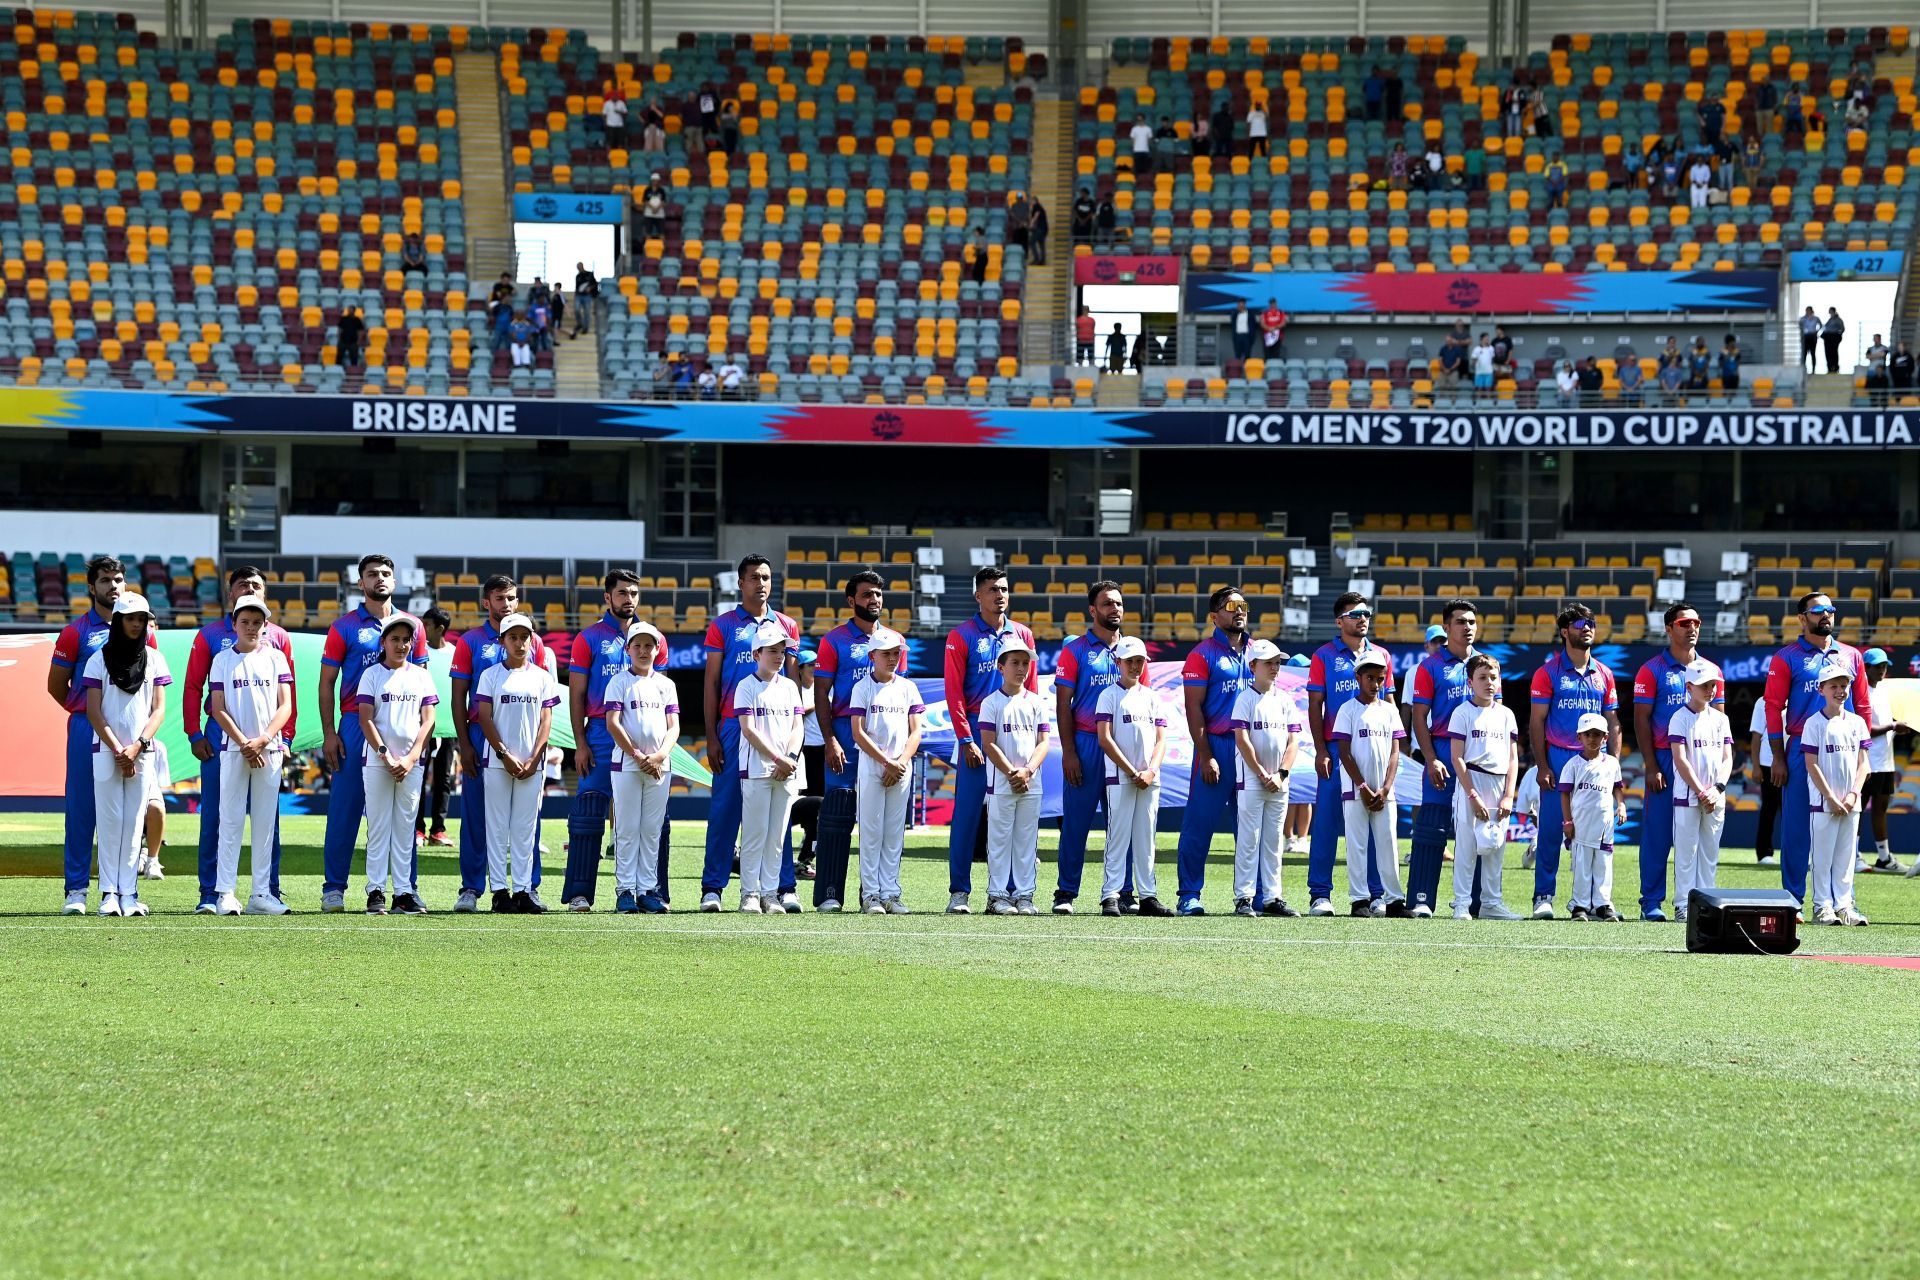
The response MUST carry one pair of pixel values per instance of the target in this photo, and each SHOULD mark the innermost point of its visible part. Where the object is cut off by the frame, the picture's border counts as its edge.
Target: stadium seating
(812, 586)
(48, 589)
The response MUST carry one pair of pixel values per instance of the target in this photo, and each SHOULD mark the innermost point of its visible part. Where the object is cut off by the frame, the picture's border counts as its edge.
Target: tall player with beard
(1792, 697)
(1084, 671)
(1332, 681)
(972, 675)
(1439, 688)
(1569, 685)
(843, 662)
(1215, 673)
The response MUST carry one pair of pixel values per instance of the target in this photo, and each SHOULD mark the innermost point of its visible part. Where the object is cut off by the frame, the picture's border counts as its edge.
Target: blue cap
(1299, 660)
(1436, 632)
(1877, 658)
(807, 657)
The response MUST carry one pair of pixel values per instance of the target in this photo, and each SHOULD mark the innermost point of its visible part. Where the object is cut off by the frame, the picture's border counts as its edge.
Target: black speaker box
(1743, 921)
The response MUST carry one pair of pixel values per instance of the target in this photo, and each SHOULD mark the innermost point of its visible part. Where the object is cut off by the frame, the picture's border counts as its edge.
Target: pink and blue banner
(1483, 292)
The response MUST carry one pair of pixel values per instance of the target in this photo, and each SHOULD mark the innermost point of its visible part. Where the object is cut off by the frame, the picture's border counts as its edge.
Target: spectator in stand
(1142, 351)
(1242, 329)
(1461, 332)
(557, 321)
(1396, 97)
(1140, 136)
(1730, 365)
(1877, 378)
(653, 128)
(1453, 361)
(502, 325)
(1713, 118)
(730, 127)
(1221, 132)
(1166, 133)
(1793, 117)
(1568, 380)
(585, 290)
(1257, 128)
(1273, 331)
(1631, 380)
(1481, 361)
(1373, 91)
(1432, 172)
(1083, 336)
(708, 382)
(520, 339)
(1765, 99)
(1858, 114)
(977, 255)
(1081, 224)
(1751, 158)
(732, 378)
(1591, 382)
(1474, 168)
(353, 331)
(1900, 369)
(1116, 350)
(1634, 166)
(1104, 222)
(540, 316)
(1037, 228)
(413, 255)
(1018, 214)
(1399, 167)
(1516, 104)
(503, 289)
(1502, 352)
(1542, 117)
(1198, 134)
(1556, 182)
(1673, 373)
(1699, 181)
(653, 209)
(538, 292)
(1699, 365)
(707, 112)
(1671, 175)
(613, 118)
(1830, 334)
(1810, 340)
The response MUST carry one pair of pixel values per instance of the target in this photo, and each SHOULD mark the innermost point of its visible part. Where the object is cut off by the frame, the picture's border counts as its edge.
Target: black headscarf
(125, 657)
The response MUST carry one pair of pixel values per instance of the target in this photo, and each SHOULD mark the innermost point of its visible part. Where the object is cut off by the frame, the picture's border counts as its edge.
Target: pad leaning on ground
(938, 1095)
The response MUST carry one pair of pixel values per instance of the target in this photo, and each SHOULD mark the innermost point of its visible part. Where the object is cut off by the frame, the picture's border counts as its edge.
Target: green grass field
(942, 1096)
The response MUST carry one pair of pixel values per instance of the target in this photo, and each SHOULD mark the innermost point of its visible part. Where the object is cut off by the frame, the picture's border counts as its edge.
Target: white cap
(641, 627)
(1263, 651)
(1831, 671)
(1700, 671)
(1012, 644)
(769, 634)
(1129, 647)
(252, 602)
(1592, 722)
(1371, 658)
(515, 621)
(885, 638)
(399, 619)
(131, 602)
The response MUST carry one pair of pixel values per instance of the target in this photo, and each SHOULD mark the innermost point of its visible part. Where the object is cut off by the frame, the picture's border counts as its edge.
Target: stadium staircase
(1043, 332)
(1116, 390)
(1830, 391)
(576, 366)
(483, 172)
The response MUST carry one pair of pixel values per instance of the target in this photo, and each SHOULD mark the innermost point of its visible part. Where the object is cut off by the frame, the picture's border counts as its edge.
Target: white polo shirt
(516, 695)
(884, 710)
(644, 703)
(774, 709)
(1833, 745)
(249, 684)
(1136, 716)
(1589, 785)
(1368, 730)
(1016, 723)
(396, 696)
(1706, 734)
(1269, 718)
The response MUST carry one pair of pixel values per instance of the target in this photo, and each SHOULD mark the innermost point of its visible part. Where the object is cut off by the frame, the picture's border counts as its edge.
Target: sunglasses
(1582, 624)
(1819, 610)
(1241, 607)
(1355, 615)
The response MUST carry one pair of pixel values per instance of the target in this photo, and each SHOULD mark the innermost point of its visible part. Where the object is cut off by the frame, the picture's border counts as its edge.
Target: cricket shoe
(1151, 906)
(1025, 907)
(1062, 903)
(227, 906)
(1847, 916)
(1543, 908)
(467, 903)
(750, 904)
(76, 903)
(130, 907)
(957, 905)
(709, 902)
(895, 907)
(999, 907)
(265, 904)
(376, 903)
(109, 904)
(1320, 907)
(1243, 906)
(1278, 908)
(1110, 906)
(873, 907)
(1493, 911)
(409, 904)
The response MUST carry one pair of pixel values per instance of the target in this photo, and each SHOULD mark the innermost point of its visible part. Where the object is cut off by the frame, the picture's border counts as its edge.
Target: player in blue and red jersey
(730, 659)
(1085, 668)
(973, 672)
(208, 643)
(841, 664)
(352, 646)
(78, 641)
(1792, 696)
(1439, 686)
(1659, 690)
(599, 654)
(1331, 684)
(1571, 683)
(1215, 673)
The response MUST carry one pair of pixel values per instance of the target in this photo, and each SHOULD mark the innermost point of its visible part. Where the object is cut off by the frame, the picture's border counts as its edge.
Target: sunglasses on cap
(1818, 610)
(1355, 615)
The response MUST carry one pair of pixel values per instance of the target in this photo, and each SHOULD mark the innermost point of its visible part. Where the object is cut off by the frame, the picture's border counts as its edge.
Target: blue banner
(569, 206)
(1836, 264)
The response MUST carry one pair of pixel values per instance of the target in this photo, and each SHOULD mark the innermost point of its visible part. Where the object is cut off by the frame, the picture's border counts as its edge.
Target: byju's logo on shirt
(511, 699)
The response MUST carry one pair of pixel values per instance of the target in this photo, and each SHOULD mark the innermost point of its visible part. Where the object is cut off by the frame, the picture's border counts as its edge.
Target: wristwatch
(146, 744)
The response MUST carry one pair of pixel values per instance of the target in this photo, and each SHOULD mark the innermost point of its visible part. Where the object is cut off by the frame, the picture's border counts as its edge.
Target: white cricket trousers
(1256, 837)
(766, 804)
(1696, 848)
(1478, 846)
(1830, 868)
(513, 828)
(247, 792)
(1013, 841)
(1362, 823)
(391, 808)
(639, 803)
(1592, 875)
(1133, 814)
(883, 832)
(120, 826)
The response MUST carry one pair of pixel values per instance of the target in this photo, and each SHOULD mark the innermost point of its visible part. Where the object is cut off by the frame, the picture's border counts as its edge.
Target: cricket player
(1792, 697)
(1569, 685)
(1015, 723)
(1882, 774)
(599, 654)
(78, 641)
(1483, 739)
(1132, 731)
(1086, 668)
(885, 712)
(843, 661)
(249, 701)
(123, 685)
(1834, 741)
(730, 643)
(1440, 686)
(1368, 735)
(643, 720)
(1702, 744)
(769, 718)
(1332, 680)
(211, 640)
(1659, 693)
(972, 674)
(473, 653)
(352, 648)
(1595, 802)
(395, 702)
(1211, 681)
(514, 701)
(1266, 732)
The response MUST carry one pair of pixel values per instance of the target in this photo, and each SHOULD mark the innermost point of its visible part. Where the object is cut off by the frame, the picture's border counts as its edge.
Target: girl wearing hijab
(125, 683)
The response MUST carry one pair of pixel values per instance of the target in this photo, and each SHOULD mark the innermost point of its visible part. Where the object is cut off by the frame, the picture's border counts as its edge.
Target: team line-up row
(378, 706)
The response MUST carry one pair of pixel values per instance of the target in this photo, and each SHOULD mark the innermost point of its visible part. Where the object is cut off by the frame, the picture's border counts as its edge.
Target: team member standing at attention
(731, 640)
(1368, 734)
(514, 701)
(123, 685)
(885, 713)
(1484, 741)
(474, 652)
(643, 719)
(1834, 742)
(1132, 731)
(599, 654)
(1793, 697)
(769, 716)
(1085, 670)
(844, 661)
(1210, 683)
(249, 701)
(1266, 731)
(396, 708)
(1439, 688)
(1332, 681)
(1760, 772)
(208, 644)
(1659, 694)
(352, 648)
(438, 786)
(972, 674)
(77, 642)
(1881, 775)
(1570, 685)
(1702, 744)
(1596, 800)
(1014, 725)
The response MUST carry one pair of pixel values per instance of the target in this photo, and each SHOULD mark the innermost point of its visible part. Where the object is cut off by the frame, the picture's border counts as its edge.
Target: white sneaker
(1377, 908)
(999, 907)
(467, 903)
(790, 903)
(109, 904)
(1861, 866)
(1850, 916)
(1771, 861)
(227, 906)
(1542, 909)
(1320, 907)
(874, 907)
(828, 907)
(1421, 911)
(265, 904)
(1497, 911)
(1914, 868)
(135, 907)
(750, 903)
(1025, 907)
(76, 903)
(957, 905)
(1526, 859)
(895, 907)
(203, 909)
(710, 902)
(151, 869)
(579, 904)
(1461, 913)
(1826, 915)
